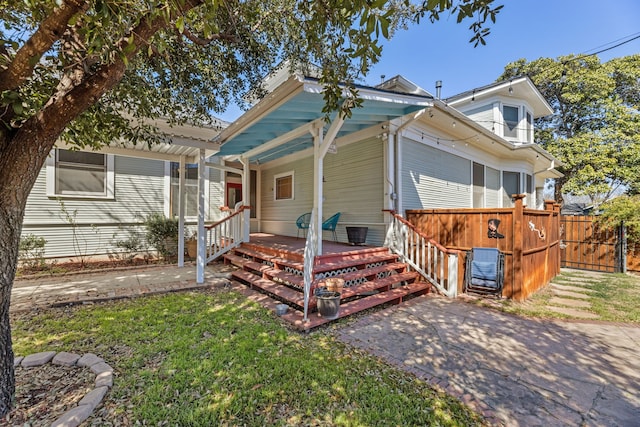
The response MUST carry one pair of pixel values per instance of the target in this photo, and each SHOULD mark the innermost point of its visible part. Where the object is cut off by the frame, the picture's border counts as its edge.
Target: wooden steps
(373, 276)
(393, 296)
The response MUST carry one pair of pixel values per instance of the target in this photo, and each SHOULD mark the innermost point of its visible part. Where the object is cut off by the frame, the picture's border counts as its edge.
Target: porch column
(318, 166)
(321, 143)
(389, 154)
(181, 202)
(246, 190)
(202, 255)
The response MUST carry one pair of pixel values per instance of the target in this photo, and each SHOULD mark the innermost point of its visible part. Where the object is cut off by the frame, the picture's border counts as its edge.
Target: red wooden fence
(530, 240)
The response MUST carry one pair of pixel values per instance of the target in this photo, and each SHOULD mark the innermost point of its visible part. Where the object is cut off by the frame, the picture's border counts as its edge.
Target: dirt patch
(45, 393)
(71, 267)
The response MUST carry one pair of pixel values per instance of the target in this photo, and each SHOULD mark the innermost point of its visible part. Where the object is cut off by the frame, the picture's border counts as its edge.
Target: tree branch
(204, 42)
(69, 103)
(51, 29)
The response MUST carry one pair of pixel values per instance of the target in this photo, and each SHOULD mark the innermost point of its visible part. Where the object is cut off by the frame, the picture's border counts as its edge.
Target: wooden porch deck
(274, 265)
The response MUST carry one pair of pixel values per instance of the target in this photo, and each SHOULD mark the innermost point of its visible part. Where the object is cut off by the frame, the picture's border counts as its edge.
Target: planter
(357, 235)
(333, 284)
(192, 248)
(328, 304)
(281, 309)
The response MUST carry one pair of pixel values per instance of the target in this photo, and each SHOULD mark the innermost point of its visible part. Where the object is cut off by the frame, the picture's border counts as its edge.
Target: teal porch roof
(283, 119)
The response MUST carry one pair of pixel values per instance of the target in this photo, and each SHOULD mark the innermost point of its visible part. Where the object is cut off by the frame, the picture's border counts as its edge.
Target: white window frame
(109, 185)
(505, 195)
(167, 194)
(275, 185)
(483, 186)
(504, 122)
(528, 119)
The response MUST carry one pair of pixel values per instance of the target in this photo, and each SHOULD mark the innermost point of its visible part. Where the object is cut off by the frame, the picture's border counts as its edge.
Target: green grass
(203, 359)
(613, 297)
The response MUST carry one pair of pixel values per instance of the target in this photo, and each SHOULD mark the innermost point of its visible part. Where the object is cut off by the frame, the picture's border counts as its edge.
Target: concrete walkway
(515, 371)
(47, 291)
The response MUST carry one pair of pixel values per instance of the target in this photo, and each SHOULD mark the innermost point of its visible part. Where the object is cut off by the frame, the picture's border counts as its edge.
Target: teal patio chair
(330, 225)
(303, 222)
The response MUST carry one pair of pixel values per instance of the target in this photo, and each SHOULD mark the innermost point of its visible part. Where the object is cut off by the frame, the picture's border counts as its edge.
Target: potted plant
(192, 245)
(328, 303)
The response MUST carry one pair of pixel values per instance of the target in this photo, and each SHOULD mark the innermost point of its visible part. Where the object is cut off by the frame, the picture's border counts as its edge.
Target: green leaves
(592, 128)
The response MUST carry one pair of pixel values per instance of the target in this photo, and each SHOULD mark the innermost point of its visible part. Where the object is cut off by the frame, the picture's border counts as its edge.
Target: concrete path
(47, 291)
(516, 371)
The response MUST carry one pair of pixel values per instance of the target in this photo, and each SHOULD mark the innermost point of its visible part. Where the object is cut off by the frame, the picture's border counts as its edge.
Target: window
(190, 189)
(478, 185)
(80, 174)
(529, 184)
(511, 119)
(529, 127)
(510, 186)
(284, 186)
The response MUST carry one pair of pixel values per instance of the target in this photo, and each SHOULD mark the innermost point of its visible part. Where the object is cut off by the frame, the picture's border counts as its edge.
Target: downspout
(397, 139)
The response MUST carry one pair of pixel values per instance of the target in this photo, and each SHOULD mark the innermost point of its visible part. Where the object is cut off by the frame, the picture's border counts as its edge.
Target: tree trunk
(23, 152)
(17, 177)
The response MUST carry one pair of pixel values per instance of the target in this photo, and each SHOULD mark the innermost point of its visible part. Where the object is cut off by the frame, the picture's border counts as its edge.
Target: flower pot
(334, 284)
(192, 248)
(328, 304)
(281, 309)
(357, 235)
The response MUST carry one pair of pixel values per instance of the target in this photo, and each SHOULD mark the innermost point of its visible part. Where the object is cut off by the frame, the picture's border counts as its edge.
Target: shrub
(162, 234)
(129, 247)
(31, 251)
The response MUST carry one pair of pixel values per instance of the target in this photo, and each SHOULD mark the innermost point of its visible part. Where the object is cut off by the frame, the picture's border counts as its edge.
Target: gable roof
(520, 87)
(402, 84)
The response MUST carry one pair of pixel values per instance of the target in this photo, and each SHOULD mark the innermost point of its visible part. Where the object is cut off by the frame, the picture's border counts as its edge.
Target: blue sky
(528, 29)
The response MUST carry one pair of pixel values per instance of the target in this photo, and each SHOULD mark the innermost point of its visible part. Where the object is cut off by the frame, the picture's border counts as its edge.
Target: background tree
(622, 210)
(88, 71)
(594, 127)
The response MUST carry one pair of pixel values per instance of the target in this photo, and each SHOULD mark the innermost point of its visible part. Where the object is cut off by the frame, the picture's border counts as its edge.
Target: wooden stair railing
(224, 235)
(433, 261)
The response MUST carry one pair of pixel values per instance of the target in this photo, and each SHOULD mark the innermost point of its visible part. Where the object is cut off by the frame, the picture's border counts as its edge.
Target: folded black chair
(484, 271)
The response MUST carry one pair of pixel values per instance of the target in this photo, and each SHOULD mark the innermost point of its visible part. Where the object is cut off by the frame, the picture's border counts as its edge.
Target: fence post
(622, 247)
(518, 242)
(556, 212)
(553, 227)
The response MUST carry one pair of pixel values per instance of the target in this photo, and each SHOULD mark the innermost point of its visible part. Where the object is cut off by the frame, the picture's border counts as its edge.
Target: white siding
(139, 191)
(353, 186)
(482, 115)
(216, 193)
(432, 178)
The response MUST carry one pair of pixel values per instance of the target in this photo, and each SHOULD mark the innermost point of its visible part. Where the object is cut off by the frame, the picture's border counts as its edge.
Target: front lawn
(611, 297)
(215, 358)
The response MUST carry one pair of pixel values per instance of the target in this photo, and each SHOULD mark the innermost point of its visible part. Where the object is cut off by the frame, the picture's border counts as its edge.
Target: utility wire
(584, 55)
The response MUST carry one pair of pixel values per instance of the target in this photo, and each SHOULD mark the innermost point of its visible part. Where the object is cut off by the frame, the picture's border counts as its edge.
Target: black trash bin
(357, 235)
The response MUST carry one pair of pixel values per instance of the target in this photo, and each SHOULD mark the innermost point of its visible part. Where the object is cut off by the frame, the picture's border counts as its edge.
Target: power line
(634, 36)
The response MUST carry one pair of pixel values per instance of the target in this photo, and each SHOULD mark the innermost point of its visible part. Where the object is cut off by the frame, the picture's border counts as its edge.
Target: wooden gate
(585, 246)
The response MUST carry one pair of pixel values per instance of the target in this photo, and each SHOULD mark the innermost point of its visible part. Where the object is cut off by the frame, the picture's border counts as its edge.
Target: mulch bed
(44, 393)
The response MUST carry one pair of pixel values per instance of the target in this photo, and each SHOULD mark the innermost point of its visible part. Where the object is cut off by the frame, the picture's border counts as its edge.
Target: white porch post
(246, 214)
(318, 165)
(202, 255)
(389, 171)
(181, 206)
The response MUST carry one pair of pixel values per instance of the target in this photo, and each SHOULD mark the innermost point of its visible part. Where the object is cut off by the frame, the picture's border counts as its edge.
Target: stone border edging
(104, 381)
